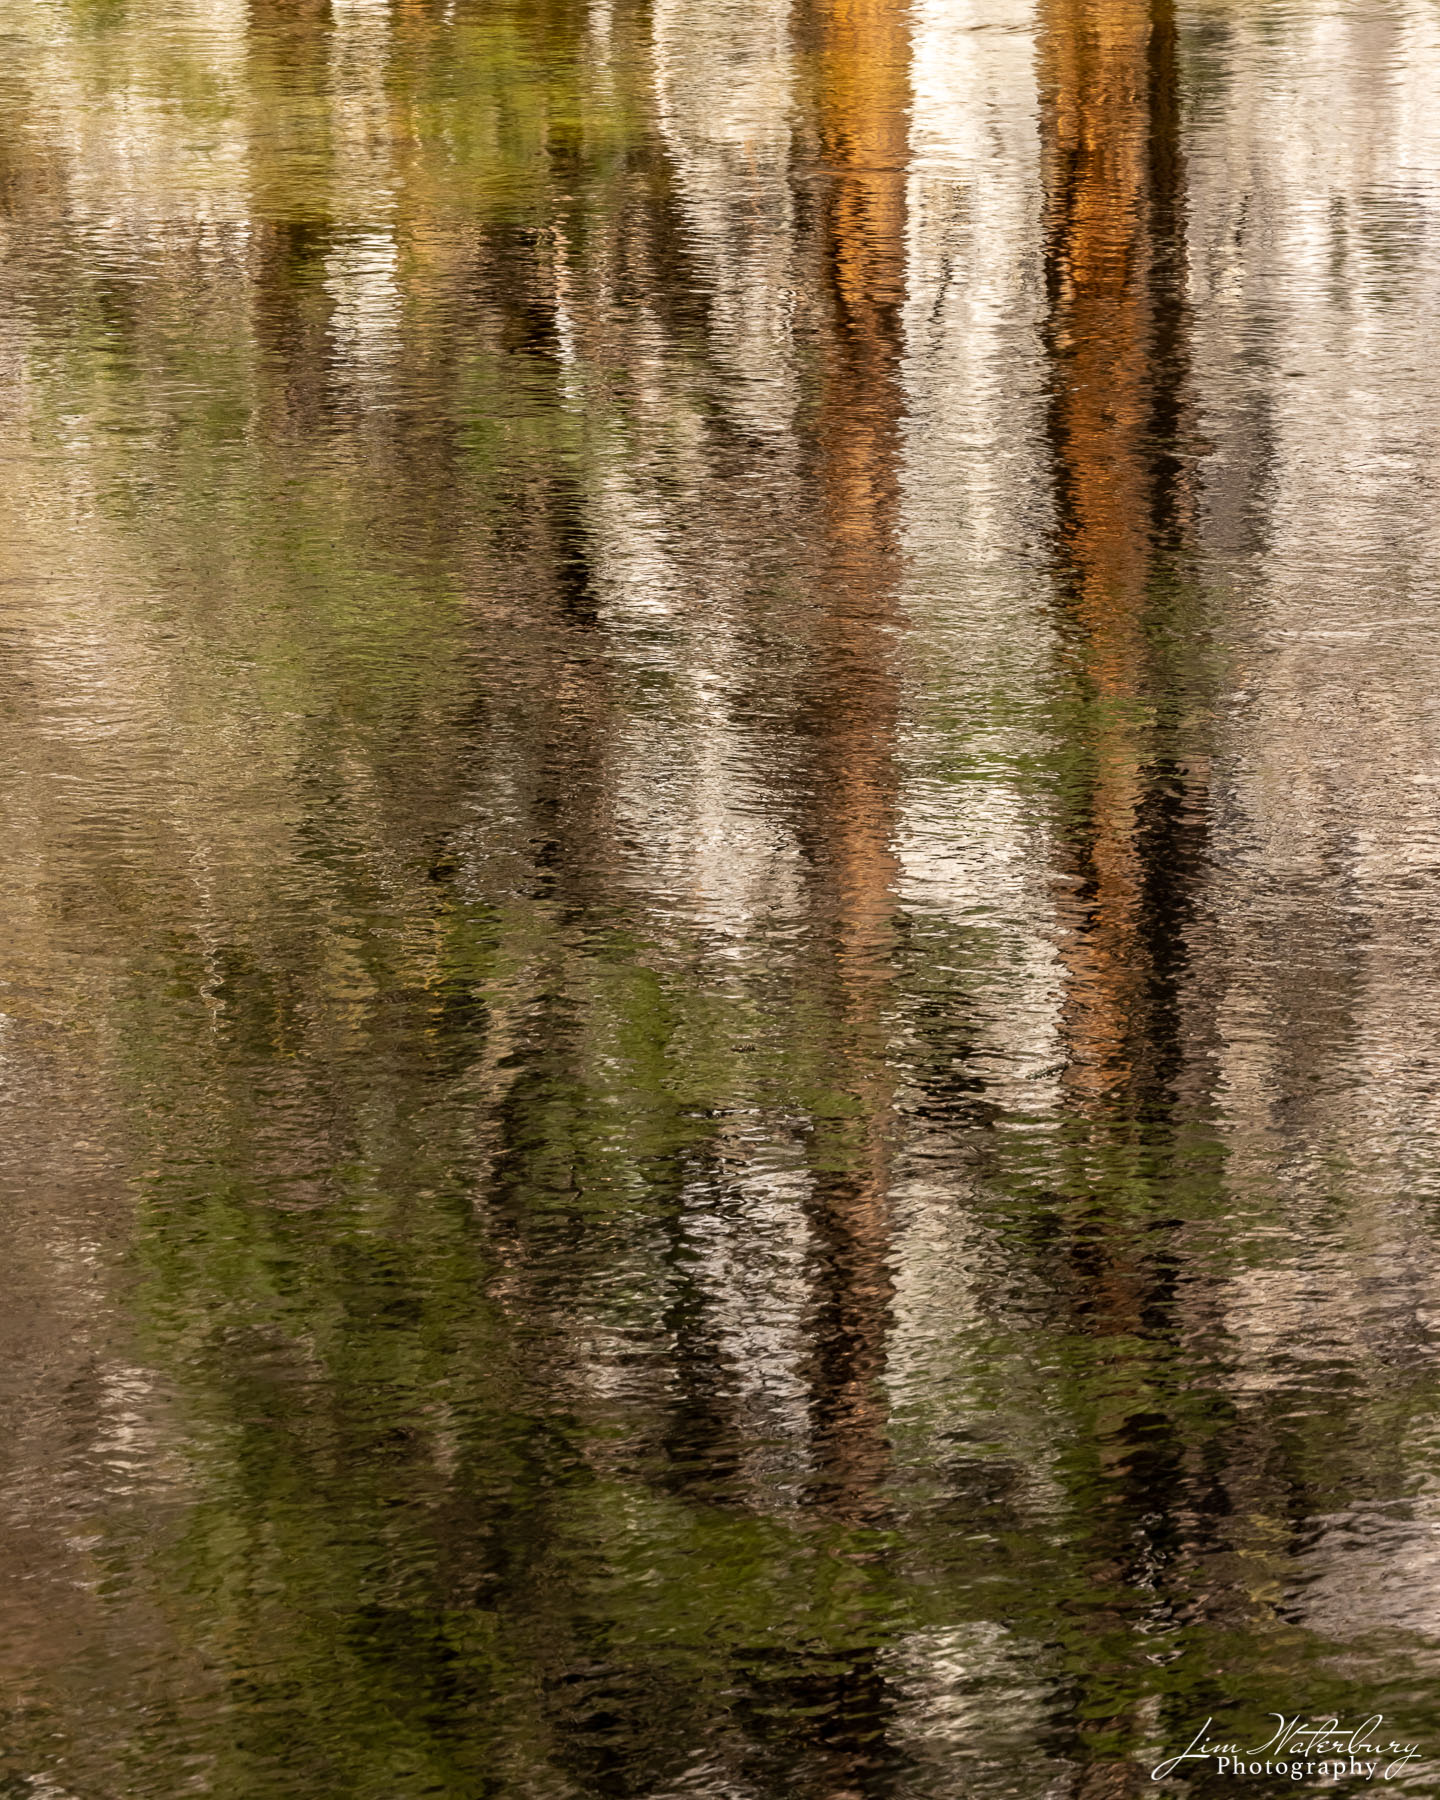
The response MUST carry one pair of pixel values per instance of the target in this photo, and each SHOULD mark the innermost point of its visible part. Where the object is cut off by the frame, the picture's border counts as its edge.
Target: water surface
(720, 738)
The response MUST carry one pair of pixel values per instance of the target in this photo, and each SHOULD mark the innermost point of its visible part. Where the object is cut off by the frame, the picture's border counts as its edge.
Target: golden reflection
(1116, 335)
(860, 53)
(1113, 199)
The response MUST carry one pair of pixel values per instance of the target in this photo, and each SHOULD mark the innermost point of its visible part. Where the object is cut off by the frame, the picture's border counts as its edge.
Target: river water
(720, 739)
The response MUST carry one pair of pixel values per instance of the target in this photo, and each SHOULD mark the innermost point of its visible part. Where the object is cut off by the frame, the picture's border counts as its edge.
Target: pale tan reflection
(724, 104)
(1315, 255)
(861, 51)
(1112, 202)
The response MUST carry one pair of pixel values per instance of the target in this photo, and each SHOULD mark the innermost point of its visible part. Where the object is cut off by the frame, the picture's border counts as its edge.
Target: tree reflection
(858, 55)
(1117, 334)
(1114, 260)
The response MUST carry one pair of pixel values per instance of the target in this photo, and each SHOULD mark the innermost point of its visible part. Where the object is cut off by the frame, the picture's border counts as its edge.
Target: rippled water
(721, 944)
